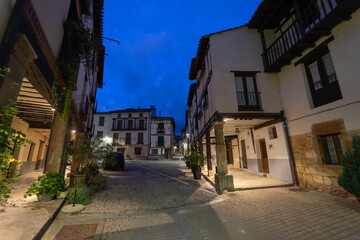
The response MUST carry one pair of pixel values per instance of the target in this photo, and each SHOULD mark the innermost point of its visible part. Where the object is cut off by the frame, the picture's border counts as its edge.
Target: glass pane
(239, 84)
(331, 150)
(250, 84)
(329, 66)
(314, 70)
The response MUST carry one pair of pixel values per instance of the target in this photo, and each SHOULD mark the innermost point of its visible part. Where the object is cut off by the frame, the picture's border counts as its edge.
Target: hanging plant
(63, 102)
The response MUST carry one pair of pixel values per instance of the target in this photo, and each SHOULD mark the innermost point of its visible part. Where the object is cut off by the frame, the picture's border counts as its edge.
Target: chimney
(153, 111)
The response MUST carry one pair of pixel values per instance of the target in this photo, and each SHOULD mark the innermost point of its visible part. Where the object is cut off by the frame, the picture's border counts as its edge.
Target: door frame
(243, 154)
(264, 159)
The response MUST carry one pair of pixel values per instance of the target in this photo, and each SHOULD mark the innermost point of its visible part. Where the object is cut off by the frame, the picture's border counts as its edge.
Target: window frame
(328, 92)
(324, 149)
(101, 121)
(247, 98)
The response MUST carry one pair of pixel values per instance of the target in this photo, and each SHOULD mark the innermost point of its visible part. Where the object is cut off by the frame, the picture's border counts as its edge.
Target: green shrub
(350, 177)
(82, 195)
(47, 184)
(197, 160)
(110, 162)
(97, 182)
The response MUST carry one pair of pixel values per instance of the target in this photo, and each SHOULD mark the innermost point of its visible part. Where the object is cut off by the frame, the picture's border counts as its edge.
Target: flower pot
(197, 173)
(45, 198)
(187, 164)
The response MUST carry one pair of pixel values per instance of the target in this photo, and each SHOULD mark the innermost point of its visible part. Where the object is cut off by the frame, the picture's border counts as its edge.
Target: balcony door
(247, 94)
(130, 124)
(141, 124)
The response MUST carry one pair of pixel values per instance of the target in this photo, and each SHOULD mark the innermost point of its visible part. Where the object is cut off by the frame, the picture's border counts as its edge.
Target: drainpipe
(8, 41)
(291, 153)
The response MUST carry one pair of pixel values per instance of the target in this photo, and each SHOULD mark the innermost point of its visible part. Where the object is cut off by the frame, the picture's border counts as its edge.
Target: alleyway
(159, 200)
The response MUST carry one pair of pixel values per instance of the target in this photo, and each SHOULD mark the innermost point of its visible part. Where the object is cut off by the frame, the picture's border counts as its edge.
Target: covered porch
(250, 149)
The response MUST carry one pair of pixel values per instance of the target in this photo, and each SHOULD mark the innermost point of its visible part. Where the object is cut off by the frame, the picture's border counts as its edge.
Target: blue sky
(158, 38)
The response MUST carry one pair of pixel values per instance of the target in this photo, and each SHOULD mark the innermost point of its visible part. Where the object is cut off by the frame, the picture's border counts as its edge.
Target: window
(115, 138)
(119, 124)
(331, 149)
(101, 121)
(130, 124)
(160, 141)
(154, 151)
(141, 114)
(272, 133)
(160, 127)
(322, 78)
(128, 138)
(248, 98)
(100, 134)
(137, 151)
(119, 115)
(130, 115)
(141, 124)
(140, 138)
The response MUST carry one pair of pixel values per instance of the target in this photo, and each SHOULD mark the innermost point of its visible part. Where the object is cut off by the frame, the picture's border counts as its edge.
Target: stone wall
(311, 171)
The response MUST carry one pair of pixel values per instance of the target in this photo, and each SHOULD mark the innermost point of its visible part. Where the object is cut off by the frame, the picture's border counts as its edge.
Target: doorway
(39, 155)
(229, 153)
(264, 156)
(243, 154)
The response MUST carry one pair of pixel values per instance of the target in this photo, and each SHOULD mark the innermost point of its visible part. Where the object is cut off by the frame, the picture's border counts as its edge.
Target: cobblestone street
(159, 200)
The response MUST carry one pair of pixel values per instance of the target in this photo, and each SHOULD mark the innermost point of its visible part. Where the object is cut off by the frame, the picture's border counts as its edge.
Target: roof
(128, 110)
(269, 13)
(196, 63)
(191, 93)
(165, 118)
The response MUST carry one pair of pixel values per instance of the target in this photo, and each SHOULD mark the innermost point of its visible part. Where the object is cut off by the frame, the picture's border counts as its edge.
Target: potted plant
(197, 161)
(47, 186)
(187, 161)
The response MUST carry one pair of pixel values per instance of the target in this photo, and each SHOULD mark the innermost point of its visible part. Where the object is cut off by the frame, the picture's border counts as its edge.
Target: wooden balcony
(315, 21)
(115, 128)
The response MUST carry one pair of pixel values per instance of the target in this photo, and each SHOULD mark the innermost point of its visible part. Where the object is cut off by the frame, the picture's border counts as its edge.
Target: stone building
(39, 45)
(276, 96)
(128, 130)
(162, 137)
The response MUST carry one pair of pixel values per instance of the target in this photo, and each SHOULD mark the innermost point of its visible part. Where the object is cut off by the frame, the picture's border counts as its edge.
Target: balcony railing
(315, 21)
(84, 107)
(115, 128)
(249, 101)
(161, 130)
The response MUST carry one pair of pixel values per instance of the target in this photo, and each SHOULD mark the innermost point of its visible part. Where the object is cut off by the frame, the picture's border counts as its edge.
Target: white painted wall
(240, 50)
(52, 15)
(345, 53)
(278, 157)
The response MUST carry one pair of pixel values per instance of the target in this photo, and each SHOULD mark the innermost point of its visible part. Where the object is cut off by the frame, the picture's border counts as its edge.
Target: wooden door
(39, 155)
(115, 138)
(264, 156)
(128, 138)
(130, 124)
(229, 151)
(119, 124)
(141, 124)
(243, 154)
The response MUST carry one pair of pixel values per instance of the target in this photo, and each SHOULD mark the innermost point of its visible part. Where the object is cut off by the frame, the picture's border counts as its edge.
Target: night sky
(158, 38)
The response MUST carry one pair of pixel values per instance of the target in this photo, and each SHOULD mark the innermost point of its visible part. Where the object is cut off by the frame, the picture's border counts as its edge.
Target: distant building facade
(128, 130)
(162, 137)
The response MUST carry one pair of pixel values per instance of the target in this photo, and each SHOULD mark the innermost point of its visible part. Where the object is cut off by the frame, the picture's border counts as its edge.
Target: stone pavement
(276, 213)
(244, 180)
(28, 217)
